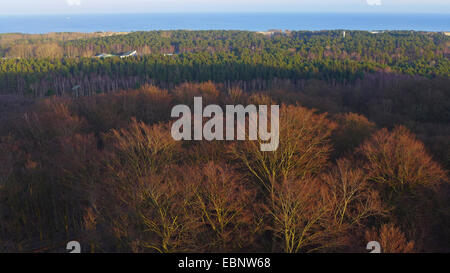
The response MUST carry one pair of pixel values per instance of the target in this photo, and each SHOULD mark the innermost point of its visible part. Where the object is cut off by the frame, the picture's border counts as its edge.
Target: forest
(364, 150)
(39, 66)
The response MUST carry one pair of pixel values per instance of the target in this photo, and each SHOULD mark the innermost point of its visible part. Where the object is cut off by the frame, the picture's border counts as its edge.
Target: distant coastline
(37, 24)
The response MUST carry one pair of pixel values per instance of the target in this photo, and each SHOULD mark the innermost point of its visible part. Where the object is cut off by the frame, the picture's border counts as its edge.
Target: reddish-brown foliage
(391, 239)
(399, 160)
(106, 171)
(409, 181)
(303, 149)
(186, 92)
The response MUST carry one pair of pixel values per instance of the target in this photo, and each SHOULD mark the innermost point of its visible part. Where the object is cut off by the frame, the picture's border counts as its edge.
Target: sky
(11, 7)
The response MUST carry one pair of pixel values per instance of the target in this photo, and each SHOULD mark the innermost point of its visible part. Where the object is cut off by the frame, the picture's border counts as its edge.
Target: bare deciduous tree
(391, 239)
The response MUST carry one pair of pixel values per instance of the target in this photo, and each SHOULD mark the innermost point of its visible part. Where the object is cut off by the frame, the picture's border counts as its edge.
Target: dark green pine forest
(41, 66)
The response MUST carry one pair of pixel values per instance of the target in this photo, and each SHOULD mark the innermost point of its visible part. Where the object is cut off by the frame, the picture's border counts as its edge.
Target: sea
(222, 21)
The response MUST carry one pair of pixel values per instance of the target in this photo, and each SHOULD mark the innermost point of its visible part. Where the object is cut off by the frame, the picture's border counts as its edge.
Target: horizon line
(228, 12)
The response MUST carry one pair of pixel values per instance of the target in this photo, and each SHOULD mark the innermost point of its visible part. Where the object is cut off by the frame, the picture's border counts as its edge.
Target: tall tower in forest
(343, 34)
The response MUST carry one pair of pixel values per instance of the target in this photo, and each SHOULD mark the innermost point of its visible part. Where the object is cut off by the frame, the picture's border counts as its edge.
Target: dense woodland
(35, 67)
(364, 143)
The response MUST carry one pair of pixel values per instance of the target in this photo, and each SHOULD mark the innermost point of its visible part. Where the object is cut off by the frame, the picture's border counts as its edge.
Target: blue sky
(132, 6)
